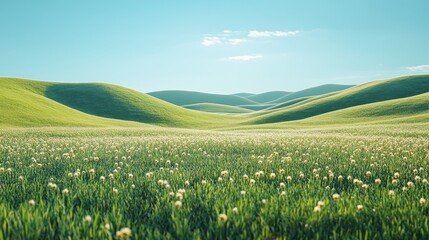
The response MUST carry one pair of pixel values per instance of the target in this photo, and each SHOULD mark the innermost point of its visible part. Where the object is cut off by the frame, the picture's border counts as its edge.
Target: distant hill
(189, 97)
(371, 92)
(268, 96)
(314, 91)
(245, 95)
(216, 108)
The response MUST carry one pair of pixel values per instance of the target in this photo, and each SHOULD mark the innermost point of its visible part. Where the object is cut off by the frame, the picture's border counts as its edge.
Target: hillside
(216, 108)
(23, 104)
(189, 97)
(314, 91)
(371, 92)
(267, 96)
(45, 104)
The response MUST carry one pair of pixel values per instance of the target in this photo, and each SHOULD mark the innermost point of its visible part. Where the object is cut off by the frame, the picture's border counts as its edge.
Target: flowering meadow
(368, 182)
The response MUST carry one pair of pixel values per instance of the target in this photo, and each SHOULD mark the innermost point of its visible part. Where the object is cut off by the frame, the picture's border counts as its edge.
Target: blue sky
(222, 46)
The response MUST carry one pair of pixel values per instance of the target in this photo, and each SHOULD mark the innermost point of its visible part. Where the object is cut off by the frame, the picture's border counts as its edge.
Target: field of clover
(363, 183)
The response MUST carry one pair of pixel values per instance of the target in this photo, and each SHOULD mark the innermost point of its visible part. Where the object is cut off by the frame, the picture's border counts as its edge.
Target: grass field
(365, 182)
(99, 161)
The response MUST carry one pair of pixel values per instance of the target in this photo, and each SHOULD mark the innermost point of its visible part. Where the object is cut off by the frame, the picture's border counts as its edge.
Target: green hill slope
(216, 108)
(319, 90)
(363, 94)
(256, 107)
(35, 103)
(403, 110)
(122, 103)
(268, 96)
(188, 97)
(23, 104)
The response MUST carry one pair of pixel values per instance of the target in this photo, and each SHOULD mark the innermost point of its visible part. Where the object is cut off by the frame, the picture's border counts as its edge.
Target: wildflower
(123, 233)
(359, 207)
(320, 203)
(422, 201)
(130, 175)
(243, 192)
(179, 196)
(20, 178)
(178, 204)
(368, 173)
(417, 178)
(394, 181)
(425, 181)
(264, 201)
(282, 184)
(317, 209)
(410, 184)
(272, 175)
(336, 196)
(219, 179)
(65, 191)
(283, 193)
(223, 217)
(204, 182)
(224, 173)
(92, 171)
(252, 181)
(187, 183)
(160, 182)
(391, 193)
(396, 175)
(235, 210)
(88, 219)
(115, 190)
(289, 178)
(31, 203)
(245, 177)
(340, 178)
(171, 194)
(364, 186)
(378, 181)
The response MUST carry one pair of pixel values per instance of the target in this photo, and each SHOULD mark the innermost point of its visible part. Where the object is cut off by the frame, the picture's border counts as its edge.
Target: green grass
(216, 108)
(314, 91)
(320, 163)
(46, 104)
(376, 91)
(188, 97)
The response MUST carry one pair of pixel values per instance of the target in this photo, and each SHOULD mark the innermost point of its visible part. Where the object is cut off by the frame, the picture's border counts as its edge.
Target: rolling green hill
(23, 104)
(414, 109)
(245, 95)
(256, 107)
(363, 94)
(267, 96)
(314, 91)
(65, 104)
(216, 108)
(188, 97)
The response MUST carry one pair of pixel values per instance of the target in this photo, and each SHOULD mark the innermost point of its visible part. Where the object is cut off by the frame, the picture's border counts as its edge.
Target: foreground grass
(91, 183)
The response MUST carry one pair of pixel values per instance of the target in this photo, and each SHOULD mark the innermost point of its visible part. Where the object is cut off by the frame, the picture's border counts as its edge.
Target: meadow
(361, 182)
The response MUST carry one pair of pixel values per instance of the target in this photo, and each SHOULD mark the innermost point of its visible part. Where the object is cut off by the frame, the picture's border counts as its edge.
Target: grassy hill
(23, 104)
(245, 95)
(371, 92)
(256, 107)
(414, 109)
(267, 96)
(182, 98)
(216, 108)
(37, 103)
(314, 91)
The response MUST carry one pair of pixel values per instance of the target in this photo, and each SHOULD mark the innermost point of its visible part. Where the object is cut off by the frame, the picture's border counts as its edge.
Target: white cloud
(237, 41)
(421, 68)
(245, 57)
(209, 41)
(256, 34)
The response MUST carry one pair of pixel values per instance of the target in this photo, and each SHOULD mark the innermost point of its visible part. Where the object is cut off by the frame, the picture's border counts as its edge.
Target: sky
(222, 46)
